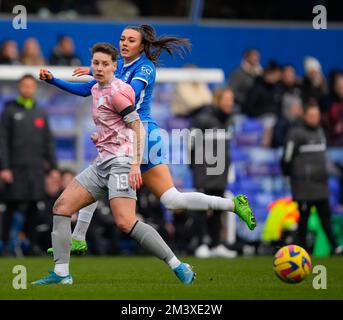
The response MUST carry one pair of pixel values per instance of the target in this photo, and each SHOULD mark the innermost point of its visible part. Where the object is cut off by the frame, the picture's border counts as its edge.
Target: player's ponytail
(153, 45)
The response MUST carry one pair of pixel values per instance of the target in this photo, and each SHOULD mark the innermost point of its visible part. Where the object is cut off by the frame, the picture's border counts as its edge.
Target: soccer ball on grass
(292, 264)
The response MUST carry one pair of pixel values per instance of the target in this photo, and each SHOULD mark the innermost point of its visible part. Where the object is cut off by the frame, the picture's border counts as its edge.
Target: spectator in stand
(314, 87)
(27, 148)
(263, 100)
(189, 97)
(242, 79)
(333, 115)
(9, 52)
(289, 84)
(64, 53)
(31, 53)
(290, 109)
(291, 115)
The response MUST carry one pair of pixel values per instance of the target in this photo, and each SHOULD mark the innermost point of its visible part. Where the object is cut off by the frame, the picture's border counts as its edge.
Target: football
(292, 264)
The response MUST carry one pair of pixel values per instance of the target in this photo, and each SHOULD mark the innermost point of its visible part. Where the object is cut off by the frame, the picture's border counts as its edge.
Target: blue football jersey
(140, 69)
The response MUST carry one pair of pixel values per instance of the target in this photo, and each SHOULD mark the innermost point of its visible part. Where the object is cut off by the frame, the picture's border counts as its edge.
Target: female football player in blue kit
(140, 50)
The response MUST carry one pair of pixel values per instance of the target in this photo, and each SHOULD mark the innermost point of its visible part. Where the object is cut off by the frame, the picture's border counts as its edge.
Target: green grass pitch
(136, 278)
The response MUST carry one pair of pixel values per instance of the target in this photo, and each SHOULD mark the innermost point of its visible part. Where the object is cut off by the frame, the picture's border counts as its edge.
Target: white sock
(83, 220)
(62, 269)
(174, 263)
(222, 204)
(86, 213)
(172, 199)
(80, 230)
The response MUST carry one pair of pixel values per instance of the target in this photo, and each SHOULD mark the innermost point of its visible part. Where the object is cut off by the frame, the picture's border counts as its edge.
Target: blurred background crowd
(258, 103)
(210, 9)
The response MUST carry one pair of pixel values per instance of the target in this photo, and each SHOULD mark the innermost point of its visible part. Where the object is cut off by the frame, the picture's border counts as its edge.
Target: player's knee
(60, 207)
(124, 225)
(57, 206)
(172, 199)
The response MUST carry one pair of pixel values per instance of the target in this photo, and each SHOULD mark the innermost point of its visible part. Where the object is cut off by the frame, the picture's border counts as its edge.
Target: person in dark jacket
(304, 161)
(217, 118)
(242, 79)
(64, 53)
(27, 150)
(9, 53)
(263, 100)
(264, 97)
(292, 114)
(314, 85)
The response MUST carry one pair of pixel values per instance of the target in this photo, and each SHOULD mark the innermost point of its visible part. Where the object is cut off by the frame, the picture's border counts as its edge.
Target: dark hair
(311, 105)
(272, 66)
(27, 76)
(288, 65)
(248, 51)
(4, 41)
(153, 45)
(62, 37)
(106, 48)
(218, 94)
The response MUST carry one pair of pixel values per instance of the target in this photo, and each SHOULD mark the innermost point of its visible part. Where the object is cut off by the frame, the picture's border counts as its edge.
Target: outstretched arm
(137, 84)
(81, 89)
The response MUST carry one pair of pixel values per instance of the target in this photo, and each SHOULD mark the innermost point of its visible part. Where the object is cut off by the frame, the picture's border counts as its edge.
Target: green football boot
(78, 247)
(243, 210)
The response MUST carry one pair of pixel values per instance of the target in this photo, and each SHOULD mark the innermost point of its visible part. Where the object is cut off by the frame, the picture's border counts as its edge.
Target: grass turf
(135, 278)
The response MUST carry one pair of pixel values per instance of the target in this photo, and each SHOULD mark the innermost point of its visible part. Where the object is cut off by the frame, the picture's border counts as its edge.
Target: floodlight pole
(196, 11)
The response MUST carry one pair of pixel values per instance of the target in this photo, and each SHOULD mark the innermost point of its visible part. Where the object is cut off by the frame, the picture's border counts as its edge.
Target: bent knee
(172, 199)
(170, 205)
(125, 225)
(61, 208)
